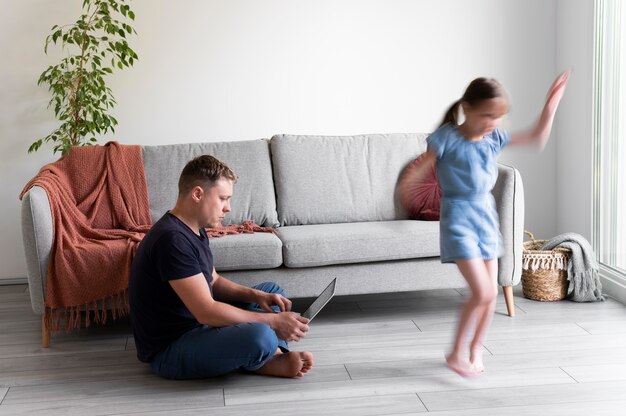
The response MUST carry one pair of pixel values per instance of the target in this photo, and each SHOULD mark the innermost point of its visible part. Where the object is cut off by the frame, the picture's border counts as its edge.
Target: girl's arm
(539, 133)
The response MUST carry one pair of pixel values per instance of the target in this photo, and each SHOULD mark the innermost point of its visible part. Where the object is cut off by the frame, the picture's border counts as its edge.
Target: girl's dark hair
(478, 90)
(203, 171)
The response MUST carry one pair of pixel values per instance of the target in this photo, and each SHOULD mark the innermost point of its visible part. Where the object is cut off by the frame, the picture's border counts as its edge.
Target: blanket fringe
(96, 312)
(549, 262)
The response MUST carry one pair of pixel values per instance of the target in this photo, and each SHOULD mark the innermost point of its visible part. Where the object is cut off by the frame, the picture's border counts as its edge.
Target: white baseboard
(14, 281)
(613, 284)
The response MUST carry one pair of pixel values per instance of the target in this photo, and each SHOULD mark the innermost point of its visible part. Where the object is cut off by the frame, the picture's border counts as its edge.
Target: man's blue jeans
(206, 351)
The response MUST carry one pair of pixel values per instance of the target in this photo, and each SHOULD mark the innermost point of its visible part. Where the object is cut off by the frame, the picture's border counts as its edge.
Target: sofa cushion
(340, 179)
(420, 196)
(326, 244)
(253, 194)
(246, 251)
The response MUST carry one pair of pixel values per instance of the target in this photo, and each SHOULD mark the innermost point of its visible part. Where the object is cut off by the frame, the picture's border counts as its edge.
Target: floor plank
(3, 392)
(397, 385)
(604, 408)
(555, 343)
(174, 398)
(565, 394)
(604, 327)
(502, 362)
(597, 372)
(63, 346)
(357, 406)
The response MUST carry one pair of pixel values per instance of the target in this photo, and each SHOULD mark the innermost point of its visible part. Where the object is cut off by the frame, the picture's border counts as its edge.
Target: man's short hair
(203, 171)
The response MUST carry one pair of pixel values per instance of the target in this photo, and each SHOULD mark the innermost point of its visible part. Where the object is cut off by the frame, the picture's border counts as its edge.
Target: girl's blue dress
(467, 173)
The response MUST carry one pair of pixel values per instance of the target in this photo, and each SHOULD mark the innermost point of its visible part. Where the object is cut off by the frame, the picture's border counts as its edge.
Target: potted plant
(95, 46)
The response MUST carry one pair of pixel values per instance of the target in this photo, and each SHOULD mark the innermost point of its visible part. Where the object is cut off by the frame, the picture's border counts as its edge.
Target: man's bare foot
(307, 361)
(462, 368)
(290, 364)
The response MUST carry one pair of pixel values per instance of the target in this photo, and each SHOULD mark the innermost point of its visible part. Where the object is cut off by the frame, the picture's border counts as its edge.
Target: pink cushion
(421, 199)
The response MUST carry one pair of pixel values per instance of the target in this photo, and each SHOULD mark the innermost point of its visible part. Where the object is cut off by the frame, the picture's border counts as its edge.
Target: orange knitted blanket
(100, 212)
(246, 227)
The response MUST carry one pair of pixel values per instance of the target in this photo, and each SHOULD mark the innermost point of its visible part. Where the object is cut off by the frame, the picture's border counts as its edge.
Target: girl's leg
(484, 321)
(477, 276)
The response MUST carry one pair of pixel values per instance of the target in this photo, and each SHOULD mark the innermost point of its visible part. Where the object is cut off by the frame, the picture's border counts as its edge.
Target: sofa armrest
(37, 233)
(509, 195)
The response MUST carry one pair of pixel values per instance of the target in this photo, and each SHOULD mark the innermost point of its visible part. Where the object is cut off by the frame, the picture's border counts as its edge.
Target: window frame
(607, 50)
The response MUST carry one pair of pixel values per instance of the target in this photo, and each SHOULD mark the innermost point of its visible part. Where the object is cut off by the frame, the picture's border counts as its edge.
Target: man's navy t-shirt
(170, 251)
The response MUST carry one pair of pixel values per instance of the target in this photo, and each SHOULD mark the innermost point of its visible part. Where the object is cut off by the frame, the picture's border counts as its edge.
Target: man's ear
(197, 193)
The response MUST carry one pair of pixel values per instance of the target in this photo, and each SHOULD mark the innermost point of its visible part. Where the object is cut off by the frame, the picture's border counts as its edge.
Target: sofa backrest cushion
(253, 193)
(421, 197)
(334, 179)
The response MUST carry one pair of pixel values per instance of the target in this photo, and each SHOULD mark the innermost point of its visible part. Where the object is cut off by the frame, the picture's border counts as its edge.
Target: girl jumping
(465, 156)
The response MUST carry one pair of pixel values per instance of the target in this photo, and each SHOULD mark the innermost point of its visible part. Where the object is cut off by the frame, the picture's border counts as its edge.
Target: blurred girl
(465, 156)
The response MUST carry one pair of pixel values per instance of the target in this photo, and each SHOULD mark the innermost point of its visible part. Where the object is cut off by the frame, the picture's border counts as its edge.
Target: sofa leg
(508, 297)
(45, 333)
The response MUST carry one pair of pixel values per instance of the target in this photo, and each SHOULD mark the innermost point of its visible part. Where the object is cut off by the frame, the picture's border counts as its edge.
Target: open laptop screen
(321, 301)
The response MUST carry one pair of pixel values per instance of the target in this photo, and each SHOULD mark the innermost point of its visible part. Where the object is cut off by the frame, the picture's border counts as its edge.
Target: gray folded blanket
(582, 267)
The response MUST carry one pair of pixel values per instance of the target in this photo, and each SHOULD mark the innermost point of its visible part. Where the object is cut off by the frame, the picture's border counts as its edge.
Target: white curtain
(609, 208)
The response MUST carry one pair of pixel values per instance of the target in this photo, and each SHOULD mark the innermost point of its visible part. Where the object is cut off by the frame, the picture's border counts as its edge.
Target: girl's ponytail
(478, 90)
(451, 114)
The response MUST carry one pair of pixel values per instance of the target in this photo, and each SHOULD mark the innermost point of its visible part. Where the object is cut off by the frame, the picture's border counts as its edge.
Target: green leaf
(35, 146)
(56, 35)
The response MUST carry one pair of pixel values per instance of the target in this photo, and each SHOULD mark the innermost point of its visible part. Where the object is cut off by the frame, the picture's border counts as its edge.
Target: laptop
(321, 301)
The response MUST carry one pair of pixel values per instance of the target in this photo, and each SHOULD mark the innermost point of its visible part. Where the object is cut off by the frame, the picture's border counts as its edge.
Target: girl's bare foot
(476, 361)
(290, 364)
(461, 367)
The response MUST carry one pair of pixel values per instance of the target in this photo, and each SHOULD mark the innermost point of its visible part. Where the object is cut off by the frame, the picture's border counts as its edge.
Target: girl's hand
(267, 300)
(539, 133)
(556, 91)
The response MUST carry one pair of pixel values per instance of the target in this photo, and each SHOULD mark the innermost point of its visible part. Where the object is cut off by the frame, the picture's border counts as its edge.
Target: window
(609, 164)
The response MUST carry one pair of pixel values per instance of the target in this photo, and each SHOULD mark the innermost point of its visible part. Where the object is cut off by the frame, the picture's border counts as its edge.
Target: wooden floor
(374, 355)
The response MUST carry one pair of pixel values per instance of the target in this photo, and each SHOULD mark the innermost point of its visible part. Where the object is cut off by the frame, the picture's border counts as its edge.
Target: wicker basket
(544, 272)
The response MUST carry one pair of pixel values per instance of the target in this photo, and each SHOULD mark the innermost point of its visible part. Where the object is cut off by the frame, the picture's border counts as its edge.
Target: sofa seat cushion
(327, 244)
(246, 251)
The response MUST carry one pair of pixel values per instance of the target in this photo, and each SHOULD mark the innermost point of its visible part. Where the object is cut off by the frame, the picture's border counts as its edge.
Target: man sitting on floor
(190, 322)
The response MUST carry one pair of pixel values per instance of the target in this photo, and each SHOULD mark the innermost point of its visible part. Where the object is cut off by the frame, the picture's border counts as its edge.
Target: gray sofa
(333, 202)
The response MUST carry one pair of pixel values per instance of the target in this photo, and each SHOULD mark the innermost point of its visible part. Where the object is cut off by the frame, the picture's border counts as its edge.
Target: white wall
(235, 69)
(574, 48)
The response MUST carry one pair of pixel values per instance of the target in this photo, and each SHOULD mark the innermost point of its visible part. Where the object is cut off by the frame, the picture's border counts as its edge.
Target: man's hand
(289, 326)
(267, 300)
